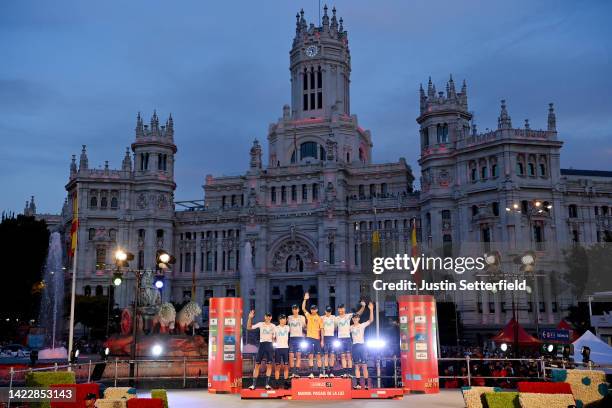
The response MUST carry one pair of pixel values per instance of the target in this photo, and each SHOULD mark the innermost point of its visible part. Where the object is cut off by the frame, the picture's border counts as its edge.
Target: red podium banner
(418, 343)
(224, 345)
(321, 389)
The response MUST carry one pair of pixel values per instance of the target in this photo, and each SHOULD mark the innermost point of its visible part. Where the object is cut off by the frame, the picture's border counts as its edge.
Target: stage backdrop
(224, 345)
(418, 343)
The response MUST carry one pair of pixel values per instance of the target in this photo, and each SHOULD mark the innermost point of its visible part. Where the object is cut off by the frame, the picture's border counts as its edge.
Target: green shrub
(161, 394)
(502, 399)
(46, 379)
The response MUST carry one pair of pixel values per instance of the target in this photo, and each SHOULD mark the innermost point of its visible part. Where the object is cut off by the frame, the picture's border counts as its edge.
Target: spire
(504, 121)
(334, 21)
(73, 166)
(430, 89)
(139, 127)
(126, 165)
(341, 28)
(303, 25)
(32, 206)
(170, 126)
(450, 89)
(464, 94)
(422, 98)
(552, 118)
(26, 208)
(83, 161)
(527, 124)
(297, 24)
(325, 22)
(155, 123)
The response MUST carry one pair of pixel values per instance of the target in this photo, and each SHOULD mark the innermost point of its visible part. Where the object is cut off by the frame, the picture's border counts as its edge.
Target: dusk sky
(77, 72)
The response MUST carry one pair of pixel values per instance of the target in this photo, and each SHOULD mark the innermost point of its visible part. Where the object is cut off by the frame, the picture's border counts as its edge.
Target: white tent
(601, 353)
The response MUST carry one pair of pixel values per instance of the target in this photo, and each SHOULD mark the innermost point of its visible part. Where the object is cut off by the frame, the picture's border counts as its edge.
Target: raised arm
(371, 307)
(250, 320)
(306, 297)
(362, 308)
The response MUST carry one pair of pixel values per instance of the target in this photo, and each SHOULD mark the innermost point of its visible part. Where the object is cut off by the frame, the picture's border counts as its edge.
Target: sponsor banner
(418, 347)
(225, 354)
(321, 389)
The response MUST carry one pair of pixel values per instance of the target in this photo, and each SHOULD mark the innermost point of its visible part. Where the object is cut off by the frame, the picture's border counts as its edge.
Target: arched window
(87, 290)
(474, 210)
(308, 149)
(361, 191)
(520, 169)
(542, 170)
(93, 202)
(315, 191)
(114, 203)
(273, 194)
(294, 263)
(494, 170)
(348, 157)
(92, 233)
(332, 253)
(283, 194)
(322, 154)
(531, 168)
(99, 290)
(573, 211)
(362, 156)
(112, 234)
(103, 202)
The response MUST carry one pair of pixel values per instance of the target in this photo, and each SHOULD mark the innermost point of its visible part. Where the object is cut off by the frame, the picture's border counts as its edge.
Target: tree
(24, 241)
(92, 312)
(589, 269)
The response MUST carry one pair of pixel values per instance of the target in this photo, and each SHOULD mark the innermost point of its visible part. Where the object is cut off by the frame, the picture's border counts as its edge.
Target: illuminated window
(308, 149)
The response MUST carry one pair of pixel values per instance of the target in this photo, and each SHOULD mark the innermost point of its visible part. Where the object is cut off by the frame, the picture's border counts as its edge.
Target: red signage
(224, 345)
(321, 389)
(418, 343)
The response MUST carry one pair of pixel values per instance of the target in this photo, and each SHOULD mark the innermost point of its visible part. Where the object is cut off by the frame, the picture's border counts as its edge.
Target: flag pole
(74, 272)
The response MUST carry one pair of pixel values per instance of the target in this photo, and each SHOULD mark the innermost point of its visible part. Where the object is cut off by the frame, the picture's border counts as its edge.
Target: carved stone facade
(309, 213)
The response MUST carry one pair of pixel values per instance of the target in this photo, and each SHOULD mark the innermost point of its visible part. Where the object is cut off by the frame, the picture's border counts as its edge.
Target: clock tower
(320, 68)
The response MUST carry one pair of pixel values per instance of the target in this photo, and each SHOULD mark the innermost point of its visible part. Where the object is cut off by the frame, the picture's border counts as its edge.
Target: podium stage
(314, 389)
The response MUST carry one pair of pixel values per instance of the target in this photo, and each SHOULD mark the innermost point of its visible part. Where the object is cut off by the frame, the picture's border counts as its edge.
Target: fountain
(51, 305)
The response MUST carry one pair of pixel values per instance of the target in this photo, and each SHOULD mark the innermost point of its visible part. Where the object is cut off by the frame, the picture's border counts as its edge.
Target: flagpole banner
(225, 345)
(418, 343)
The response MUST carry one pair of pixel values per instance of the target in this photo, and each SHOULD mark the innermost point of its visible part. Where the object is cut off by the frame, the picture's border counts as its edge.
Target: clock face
(312, 50)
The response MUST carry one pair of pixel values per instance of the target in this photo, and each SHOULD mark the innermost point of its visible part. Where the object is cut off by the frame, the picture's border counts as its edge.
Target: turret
(126, 165)
(256, 155)
(320, 68)
(73, 166)
(153, 149)
(504, 121)
(83, 161)
(552, 118)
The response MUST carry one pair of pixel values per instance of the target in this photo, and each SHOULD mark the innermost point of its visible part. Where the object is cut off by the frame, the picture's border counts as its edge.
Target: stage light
(156, 350)
(120, 255)
(550, 348)
(503, 347)
(106, 351)
(376, 344)
(117, 278)
(303, 345)
(528, 289)
(159, 282)
(337, 344)
(538, 204)
(528, 258)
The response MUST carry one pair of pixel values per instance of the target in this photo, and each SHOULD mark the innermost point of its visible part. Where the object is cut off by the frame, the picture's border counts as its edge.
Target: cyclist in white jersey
(329, 328)
(343, 323)
(281, 348)
(359, 351)
(297, 323)
(265, 350)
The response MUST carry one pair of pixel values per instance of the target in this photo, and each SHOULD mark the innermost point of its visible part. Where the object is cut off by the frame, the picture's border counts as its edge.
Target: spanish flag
(74, 228)
(375, 244)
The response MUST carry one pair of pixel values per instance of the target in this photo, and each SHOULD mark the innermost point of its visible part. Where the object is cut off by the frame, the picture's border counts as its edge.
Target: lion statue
(186, 316)
(165, 318)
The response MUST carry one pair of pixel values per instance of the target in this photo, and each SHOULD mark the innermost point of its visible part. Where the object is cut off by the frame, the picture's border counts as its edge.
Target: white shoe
(357, 387)
(268, 387)
(331, 375)
(311, 375)
(322, 375)
(252, 387)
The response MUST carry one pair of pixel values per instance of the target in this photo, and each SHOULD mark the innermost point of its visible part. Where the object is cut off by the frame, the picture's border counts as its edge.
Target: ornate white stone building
(306, 209)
